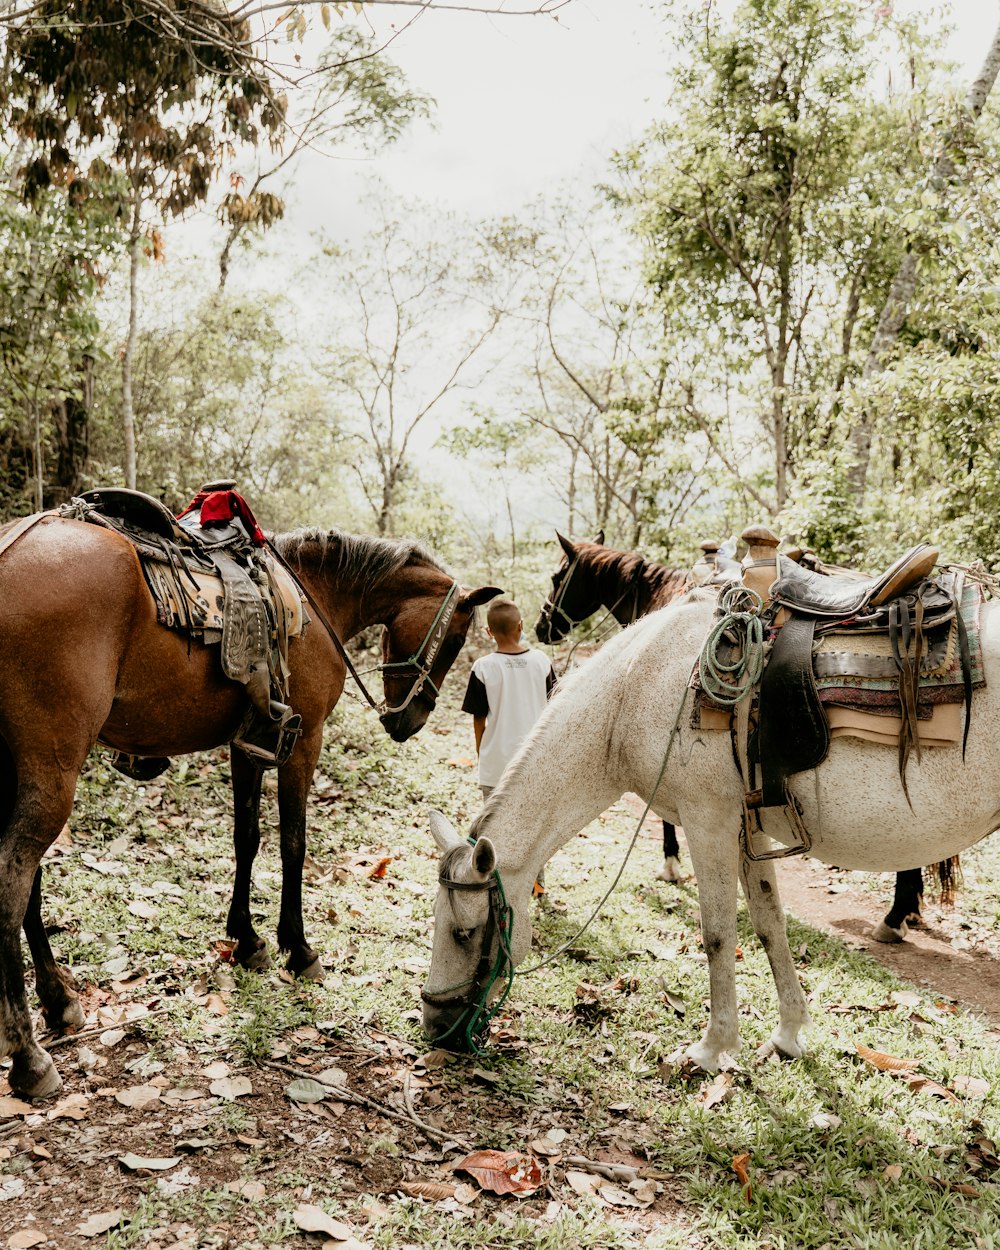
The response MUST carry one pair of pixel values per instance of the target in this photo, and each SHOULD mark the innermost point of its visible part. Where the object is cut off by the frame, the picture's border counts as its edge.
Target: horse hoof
(32, 1085)
(883, 933)
(73, 1015)
(312, 972)
(671, 871)
(259, 961)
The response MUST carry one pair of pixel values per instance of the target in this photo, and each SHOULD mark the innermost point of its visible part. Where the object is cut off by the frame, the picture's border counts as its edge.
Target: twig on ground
(610, 1171)
(340, 1093)
(64, 1039)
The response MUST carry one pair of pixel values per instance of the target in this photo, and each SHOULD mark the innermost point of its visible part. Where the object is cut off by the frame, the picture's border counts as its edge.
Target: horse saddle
(914, 611)
(214, 580)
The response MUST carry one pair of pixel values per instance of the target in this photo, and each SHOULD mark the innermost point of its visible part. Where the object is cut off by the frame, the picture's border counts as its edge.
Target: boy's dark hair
(503, 617)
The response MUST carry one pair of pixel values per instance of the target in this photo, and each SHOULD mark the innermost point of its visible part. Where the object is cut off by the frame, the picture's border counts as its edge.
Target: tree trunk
(904, 284)
(71, 428)
(128, 417)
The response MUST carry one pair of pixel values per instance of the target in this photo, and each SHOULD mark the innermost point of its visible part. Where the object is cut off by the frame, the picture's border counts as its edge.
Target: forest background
(775, 300)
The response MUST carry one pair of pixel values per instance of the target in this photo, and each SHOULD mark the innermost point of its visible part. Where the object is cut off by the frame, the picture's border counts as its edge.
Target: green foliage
(220, 391)
(167, 91)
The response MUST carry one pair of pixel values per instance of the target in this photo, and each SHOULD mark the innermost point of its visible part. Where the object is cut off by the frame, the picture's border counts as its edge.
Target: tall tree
(759, 204)
(164, 88)
(421, 304)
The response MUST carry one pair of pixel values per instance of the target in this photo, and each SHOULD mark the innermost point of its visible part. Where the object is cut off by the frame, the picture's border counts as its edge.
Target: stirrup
(268, 744)
(751, 818)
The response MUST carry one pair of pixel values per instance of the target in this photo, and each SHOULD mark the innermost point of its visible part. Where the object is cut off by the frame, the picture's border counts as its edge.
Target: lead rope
(503, 965)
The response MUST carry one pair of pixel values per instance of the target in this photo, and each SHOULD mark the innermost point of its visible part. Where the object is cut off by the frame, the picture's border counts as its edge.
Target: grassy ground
(838, 1153)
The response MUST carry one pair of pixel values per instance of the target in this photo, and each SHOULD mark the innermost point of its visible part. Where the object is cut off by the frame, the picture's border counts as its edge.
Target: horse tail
(949, 878)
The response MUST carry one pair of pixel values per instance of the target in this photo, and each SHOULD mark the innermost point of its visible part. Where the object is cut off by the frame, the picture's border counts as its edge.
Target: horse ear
(476, 598)
(484, 858)
(444, 832)
(599, 540)
(567, 546)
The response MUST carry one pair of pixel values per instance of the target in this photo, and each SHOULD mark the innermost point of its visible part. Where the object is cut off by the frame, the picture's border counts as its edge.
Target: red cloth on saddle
(217, 506)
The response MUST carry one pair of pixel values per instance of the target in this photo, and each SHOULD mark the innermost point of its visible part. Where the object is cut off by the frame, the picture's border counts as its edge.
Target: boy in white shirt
(506, 693)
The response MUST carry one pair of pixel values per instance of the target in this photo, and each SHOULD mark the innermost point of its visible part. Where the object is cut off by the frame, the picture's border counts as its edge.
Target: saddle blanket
(205, 599)
(857, 681)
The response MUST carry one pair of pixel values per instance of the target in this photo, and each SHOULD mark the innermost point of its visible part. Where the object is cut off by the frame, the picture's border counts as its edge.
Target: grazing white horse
(604, 733)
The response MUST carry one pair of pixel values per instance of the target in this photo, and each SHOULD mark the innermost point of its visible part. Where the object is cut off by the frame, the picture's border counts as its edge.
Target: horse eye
(463, 936)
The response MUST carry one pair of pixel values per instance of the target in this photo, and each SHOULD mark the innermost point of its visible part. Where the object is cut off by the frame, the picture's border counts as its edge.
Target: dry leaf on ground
(138, 1097)
(379, 870)
(435, 1191)
(26, 1238)
(305, 1089)
(924, 1084)
(502, 1171)
(313, 1219)
(253, 1191)
(136, 1162)
(231, 1087)
(741, 1166)
(99, 1223)
(11, 1106)
(885, 1062)
(715, 1092)
(892, 1173)
(971, 1086)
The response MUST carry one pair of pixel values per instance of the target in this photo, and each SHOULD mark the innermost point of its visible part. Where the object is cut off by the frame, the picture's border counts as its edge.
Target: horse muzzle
(447, 1022)
(406, 722)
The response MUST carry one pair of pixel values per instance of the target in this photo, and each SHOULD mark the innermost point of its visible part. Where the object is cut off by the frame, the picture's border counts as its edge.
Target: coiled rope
(729, 683)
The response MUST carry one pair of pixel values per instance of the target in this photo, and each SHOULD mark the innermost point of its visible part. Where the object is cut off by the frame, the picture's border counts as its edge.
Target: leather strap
(20, 528)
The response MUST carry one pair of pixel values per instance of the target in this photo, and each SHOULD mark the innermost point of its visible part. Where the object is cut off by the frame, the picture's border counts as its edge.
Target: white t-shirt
(510, 690)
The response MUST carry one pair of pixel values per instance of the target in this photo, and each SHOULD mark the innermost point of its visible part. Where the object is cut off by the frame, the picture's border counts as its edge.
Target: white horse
(605, 733)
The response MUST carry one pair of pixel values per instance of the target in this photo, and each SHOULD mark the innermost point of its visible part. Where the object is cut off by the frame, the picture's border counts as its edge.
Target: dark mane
(360, 559)
(628, 568)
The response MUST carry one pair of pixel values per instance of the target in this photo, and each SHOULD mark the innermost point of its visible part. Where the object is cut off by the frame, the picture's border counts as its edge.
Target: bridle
(490, 967)
(422, 660)
(553, 604)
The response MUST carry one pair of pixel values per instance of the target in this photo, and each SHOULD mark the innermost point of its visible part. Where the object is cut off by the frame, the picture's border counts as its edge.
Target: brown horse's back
(85, 656)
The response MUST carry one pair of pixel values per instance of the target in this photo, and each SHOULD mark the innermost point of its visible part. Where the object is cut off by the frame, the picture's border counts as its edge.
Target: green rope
(728, 684)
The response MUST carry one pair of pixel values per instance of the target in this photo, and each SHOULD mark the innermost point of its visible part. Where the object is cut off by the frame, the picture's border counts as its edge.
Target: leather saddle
(905, 603)
(179, 557)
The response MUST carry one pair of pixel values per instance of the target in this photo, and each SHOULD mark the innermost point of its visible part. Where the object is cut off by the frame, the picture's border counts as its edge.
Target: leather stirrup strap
(21, 528)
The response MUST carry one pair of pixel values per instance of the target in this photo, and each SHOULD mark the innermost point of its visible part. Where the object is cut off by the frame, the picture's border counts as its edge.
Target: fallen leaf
(253, 1191)
(111, 1037)
(906, 998)
(139, 1097)
(26, 1238)
(826, 1120)
(305, 1089)
(379, 871)
(892, 1173)
(617, 1196)
(924, 1085)
(11, 1106)
(884, 1062)
(461, 761)
(216, 1005)
(101, 1222)
(216, 1069)
(144, 910)
(715, 1092)
(435, 1191)
(72, 1107)
(332, 1076)
(136, 1162)
(741, 1166)
(971, 1086)
(583, 1182)
(315, 1220)
(502, 1171)
(231, 1087)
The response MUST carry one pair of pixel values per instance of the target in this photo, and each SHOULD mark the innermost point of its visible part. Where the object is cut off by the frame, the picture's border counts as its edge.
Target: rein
(553, 605)
(422, 659)
(500, 920)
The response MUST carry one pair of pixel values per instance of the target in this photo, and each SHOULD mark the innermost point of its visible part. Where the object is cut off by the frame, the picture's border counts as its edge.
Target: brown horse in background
(87, 662)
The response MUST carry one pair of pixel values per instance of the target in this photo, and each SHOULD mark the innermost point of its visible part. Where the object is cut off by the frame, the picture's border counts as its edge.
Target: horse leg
(671, 870)
(251, 949)
(905, 903)
(293, 786)
(715, 859)
(56, 987)
(760, 888)
(39, 812)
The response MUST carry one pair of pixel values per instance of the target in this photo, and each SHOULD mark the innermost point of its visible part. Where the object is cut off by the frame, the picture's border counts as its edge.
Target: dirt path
(936, 956)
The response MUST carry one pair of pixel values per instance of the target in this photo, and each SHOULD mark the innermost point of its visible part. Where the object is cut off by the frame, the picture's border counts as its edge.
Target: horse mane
(629, 567)
(361, 559)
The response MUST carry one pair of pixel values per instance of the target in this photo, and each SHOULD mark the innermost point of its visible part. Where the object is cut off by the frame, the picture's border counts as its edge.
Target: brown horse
(592, 576)
(86, 662)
